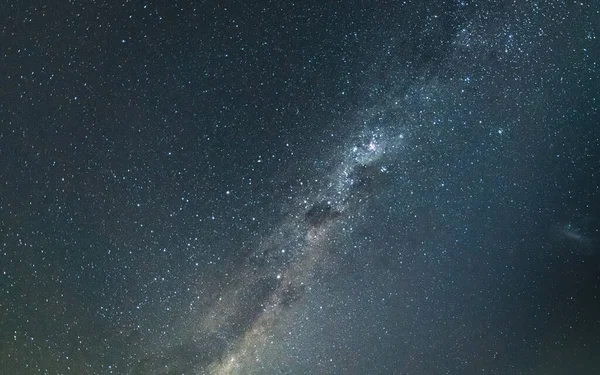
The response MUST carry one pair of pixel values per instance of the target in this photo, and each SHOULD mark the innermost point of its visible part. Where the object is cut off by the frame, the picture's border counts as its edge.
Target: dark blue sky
(266, 187)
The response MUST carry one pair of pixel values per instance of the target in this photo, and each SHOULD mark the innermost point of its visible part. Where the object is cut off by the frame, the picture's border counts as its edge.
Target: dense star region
(320, 187)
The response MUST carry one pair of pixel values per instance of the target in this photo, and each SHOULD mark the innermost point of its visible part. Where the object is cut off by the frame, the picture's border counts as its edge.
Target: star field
(386, 187)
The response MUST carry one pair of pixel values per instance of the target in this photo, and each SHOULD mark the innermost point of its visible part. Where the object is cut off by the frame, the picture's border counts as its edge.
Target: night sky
(318, 187)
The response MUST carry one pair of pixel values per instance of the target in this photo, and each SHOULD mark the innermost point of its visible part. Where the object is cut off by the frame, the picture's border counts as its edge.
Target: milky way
(252, 319)
(210, 188)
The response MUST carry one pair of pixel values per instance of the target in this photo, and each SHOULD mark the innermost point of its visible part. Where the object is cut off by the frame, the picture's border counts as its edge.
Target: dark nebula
(320, 214)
